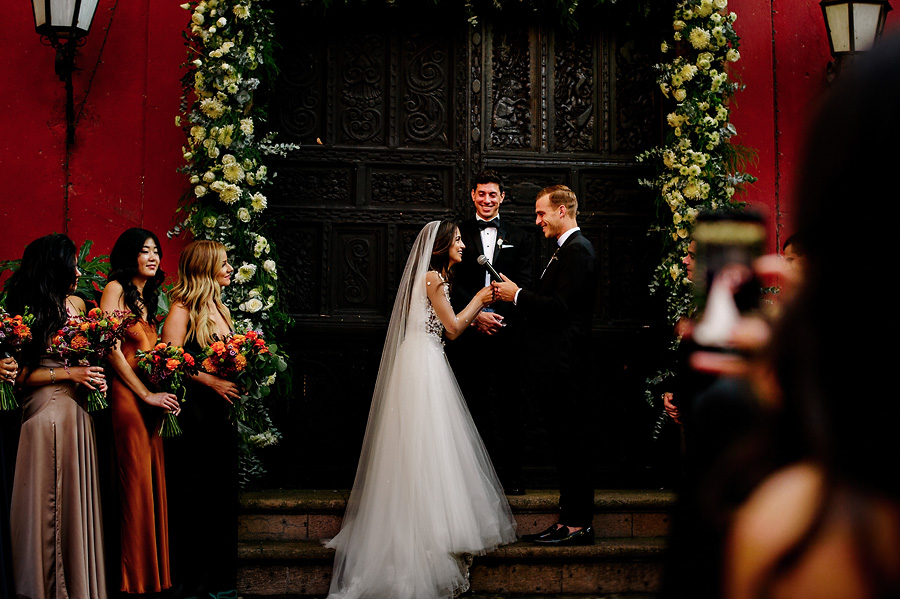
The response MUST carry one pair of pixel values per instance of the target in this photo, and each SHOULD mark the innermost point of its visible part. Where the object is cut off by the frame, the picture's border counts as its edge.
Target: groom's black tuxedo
(484, 364)
(513, 257)
(561, 311)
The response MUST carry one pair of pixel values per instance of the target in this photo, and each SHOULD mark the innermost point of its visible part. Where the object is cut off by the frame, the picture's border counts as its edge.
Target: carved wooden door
(393, 118)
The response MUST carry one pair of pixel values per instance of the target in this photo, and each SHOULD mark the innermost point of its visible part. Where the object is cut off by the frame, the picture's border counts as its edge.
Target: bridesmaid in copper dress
(143, 543)
(57, 539)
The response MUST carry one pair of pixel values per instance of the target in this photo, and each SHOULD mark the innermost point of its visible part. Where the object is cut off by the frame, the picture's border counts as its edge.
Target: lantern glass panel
(838, 17)
(865, 25)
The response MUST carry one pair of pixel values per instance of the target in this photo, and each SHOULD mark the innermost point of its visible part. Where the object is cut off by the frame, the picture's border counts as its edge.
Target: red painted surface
(784, 55)
(121, 169)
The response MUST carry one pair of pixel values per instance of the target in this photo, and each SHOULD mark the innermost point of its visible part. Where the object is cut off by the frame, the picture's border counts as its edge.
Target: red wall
(784, 79)
(121, 169)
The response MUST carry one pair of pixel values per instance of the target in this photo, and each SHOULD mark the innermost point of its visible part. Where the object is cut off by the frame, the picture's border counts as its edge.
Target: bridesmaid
(202, 463)
(143, 542)
(55, 524)
(8, 371)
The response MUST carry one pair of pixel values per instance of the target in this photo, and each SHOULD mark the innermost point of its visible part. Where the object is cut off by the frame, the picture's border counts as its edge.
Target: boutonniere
(501, 243)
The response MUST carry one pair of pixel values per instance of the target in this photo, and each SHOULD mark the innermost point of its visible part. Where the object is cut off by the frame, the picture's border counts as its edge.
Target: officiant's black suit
(484, 364)
(560, 313)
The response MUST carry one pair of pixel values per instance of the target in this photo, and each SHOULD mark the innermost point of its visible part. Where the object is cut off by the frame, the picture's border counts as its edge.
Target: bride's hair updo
(443, 241)
(196, 286)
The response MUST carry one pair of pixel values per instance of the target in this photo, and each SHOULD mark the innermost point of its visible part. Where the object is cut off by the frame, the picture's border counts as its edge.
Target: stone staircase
(281, 555)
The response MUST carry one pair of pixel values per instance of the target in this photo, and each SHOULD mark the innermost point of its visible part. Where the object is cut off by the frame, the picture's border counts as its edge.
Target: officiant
(491, 356)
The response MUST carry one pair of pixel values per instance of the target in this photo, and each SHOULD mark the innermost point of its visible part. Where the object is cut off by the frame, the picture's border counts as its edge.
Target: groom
(489, 358)
(561, 310)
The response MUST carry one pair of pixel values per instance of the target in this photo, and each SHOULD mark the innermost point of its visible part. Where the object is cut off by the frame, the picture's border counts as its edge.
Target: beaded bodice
(433, 324)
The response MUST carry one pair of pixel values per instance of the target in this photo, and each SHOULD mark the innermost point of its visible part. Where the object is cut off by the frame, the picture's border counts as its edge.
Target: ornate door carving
(392, 119)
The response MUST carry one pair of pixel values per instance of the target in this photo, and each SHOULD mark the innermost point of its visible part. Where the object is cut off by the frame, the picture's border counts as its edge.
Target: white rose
(269, 266)
(252, 305)
(243, 215)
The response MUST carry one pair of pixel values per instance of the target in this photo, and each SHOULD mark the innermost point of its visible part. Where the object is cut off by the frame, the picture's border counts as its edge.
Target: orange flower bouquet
(165, 366)
(85, 340)
(14, 332)
(252, 364)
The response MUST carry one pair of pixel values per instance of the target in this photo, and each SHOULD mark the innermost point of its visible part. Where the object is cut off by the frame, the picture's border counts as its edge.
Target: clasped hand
(9, 369)
(91, 377)
(505, 291)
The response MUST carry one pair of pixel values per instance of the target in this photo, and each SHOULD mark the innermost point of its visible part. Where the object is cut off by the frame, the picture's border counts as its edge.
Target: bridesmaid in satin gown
(8, 370)
(143, 531)
(55, 526)
(202, 463)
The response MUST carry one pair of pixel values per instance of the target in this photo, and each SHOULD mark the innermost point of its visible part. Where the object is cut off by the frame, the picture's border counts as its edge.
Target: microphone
(482, 260)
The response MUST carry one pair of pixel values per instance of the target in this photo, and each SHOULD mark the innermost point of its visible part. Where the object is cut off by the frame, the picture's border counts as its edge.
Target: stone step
(614, 567)
(299, 515)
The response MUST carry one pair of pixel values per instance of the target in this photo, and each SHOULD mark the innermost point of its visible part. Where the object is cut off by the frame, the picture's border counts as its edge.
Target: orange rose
(218, 347)
(188, 359)
(160, 346)
(171, 363)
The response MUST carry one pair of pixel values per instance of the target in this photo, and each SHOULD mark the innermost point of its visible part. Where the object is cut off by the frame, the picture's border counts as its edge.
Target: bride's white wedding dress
(426, 496)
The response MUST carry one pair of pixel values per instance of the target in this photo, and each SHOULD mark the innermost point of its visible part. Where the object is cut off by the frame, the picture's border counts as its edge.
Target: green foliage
(230, 46)
(697, 168)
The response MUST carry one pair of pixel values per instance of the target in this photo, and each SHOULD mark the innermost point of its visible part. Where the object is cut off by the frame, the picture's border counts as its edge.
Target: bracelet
(52, 377)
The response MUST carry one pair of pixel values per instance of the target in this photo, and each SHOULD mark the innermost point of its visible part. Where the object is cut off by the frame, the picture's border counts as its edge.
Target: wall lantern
(853, 26)
(64, 24)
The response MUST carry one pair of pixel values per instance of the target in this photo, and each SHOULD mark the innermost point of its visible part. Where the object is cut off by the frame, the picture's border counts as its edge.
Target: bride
(426, 497)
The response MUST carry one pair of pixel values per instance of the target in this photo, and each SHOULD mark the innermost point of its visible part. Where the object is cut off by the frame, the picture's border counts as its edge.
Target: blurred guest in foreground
(828, 524)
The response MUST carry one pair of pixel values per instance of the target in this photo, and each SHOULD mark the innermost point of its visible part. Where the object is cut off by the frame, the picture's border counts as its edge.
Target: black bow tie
(484, 224)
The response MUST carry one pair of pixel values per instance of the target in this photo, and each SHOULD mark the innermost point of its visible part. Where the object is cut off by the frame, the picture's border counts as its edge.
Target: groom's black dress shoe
(539, 535)
(562, 536)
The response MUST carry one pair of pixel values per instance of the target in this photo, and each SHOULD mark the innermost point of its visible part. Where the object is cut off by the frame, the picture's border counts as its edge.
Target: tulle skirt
(426, 496)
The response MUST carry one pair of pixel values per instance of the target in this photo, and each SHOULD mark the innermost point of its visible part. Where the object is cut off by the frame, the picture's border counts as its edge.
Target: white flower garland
(698, 167)
(230, 48)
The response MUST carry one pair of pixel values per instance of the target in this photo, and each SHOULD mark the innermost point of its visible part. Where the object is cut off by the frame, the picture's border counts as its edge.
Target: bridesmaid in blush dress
(56, 534)
(143, 541)
(202, 463)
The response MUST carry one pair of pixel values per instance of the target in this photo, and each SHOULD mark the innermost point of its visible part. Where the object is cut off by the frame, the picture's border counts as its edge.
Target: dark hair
(42, 282)
(123, 269)
(795, 240)
(836, 383)
(488, 176)
(443, 241)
